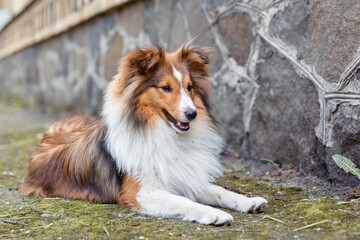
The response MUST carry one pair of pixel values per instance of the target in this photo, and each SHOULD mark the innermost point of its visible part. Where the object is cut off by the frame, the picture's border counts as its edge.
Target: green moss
(56, 217)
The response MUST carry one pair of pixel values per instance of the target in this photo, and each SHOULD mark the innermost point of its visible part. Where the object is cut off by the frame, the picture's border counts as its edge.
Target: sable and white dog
(154, 148)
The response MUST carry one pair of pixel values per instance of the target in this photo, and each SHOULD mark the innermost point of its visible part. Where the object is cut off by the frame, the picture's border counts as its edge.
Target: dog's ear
(197, 59)
(143, 61)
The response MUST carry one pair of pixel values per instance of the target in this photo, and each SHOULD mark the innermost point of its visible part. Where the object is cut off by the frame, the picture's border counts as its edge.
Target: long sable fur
(72, 162)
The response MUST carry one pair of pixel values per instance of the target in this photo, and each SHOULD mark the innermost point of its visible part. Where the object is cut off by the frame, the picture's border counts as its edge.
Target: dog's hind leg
(218, 196)
(165, 204)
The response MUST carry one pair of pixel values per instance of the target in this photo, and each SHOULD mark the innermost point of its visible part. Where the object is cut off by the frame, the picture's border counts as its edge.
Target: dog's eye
(166, 88)
(189, 88)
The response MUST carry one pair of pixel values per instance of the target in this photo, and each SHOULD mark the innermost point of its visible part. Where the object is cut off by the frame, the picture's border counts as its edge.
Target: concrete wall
(285, 73)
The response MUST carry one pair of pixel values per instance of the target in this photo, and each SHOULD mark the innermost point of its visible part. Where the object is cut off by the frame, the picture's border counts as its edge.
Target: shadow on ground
(293, 212)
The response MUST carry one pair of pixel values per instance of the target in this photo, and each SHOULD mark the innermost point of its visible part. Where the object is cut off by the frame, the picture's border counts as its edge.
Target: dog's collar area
(177, 124)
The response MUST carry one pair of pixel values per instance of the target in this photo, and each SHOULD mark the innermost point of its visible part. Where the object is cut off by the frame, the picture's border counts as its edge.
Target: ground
(300, 207)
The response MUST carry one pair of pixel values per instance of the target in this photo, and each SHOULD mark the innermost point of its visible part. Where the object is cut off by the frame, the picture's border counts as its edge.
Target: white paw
(215, 217)
(244, 205)
(251, 205)
(260, 204)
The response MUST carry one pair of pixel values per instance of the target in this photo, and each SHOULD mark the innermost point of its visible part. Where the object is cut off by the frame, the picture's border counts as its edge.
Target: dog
(154, 148)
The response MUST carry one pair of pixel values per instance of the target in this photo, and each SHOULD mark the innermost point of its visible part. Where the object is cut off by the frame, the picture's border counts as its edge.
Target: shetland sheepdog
(154, 148)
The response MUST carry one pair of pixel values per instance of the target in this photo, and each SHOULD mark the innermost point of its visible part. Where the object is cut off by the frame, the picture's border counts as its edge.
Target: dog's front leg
(165, 204)
(218, 196)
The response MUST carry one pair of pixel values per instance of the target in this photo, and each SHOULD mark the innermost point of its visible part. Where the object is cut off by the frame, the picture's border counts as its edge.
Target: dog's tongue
(184, 124)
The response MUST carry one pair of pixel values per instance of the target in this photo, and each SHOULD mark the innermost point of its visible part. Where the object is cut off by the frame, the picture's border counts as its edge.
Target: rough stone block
(236, 31)
(284, 116)
(228, 112)
(325, 33)
(112, 57)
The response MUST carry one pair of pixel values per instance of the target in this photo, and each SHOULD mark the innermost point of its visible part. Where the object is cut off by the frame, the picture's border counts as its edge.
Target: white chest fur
(183, 163)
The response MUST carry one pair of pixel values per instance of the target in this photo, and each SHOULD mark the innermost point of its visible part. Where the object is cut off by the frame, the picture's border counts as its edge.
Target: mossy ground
(55, 218)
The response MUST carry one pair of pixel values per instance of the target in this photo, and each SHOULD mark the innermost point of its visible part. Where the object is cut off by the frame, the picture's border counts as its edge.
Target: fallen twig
(236, 230)
(270, 161)
(282, 199)
(20, 218)
(61, 213)
(14, 222)
(274, 219)
(47, 226)
(107, 233)
(311, 225)
(40, 211)
(7, 215)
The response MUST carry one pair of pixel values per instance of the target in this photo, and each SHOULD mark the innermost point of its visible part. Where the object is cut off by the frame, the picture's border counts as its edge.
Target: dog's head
(153, 84)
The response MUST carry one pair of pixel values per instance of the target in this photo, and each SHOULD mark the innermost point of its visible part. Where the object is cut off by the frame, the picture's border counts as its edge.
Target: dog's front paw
(251, 205)
(259, 204)
(215, 217)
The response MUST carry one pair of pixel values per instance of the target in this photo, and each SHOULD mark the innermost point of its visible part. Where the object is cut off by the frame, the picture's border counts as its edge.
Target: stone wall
(285, 73)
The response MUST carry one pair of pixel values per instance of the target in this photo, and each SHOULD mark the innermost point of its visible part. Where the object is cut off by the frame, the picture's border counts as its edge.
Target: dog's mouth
(177, 124)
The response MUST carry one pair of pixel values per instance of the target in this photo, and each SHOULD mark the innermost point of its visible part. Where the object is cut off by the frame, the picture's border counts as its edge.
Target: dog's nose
(190, 114)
